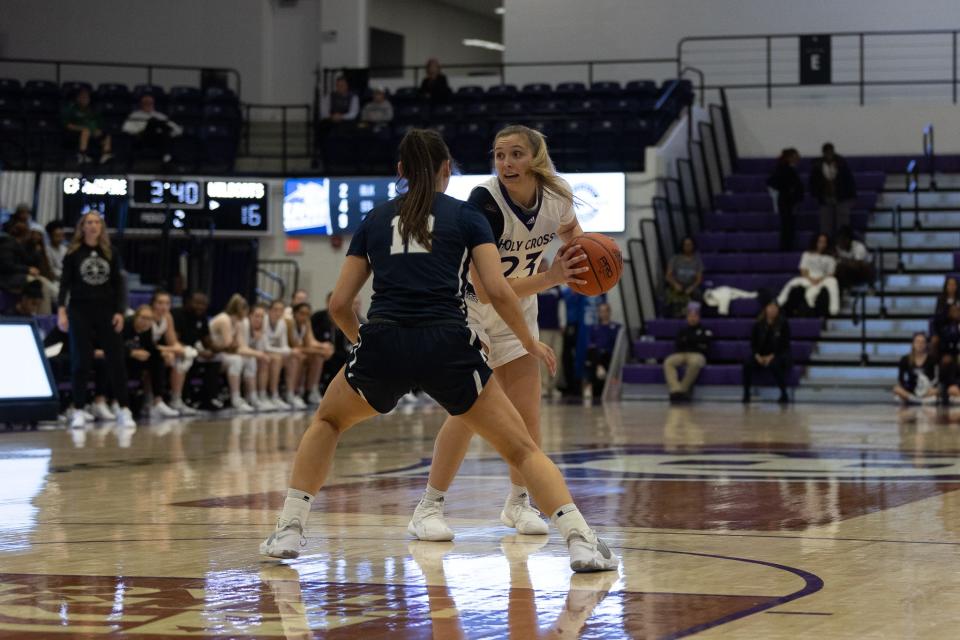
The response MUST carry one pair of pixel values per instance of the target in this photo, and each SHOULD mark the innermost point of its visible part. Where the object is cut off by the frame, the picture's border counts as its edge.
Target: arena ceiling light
(483, 44)
(500, 11)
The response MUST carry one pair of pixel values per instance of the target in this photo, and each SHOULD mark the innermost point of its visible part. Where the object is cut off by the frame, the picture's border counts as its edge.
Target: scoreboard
(149, 202)
(332, 206)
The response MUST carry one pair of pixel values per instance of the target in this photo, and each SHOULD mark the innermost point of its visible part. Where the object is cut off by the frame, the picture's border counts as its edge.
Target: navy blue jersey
(410, 284)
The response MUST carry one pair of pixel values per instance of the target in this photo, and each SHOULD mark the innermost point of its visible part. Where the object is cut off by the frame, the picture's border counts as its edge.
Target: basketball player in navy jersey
(418, 248)
(527, 206)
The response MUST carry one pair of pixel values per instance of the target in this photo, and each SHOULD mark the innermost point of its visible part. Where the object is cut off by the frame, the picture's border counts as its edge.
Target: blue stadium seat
(10, 105)
(68, 90)
(109, 107)
(550, 107)
(606, 139)
(41, 106)
(584, 106)
(446, 112)
(41, 89)
(571, 154)
(605, 89)
(414, 113)
(502, 92)
(113, 91)
(10, 87)
(640, 88)
(512, 109)
(535, 91)
(471, 147)
(220, 95)
(220, 146)
(478, 109)
(185, 95)
(571, 90)
(469, 93)
(185, 113)
(221, 113)
(622, 105)
(404, 96)
(546, 127)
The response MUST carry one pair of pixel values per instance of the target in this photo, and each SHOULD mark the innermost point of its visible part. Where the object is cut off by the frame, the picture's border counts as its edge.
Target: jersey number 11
(398, 246)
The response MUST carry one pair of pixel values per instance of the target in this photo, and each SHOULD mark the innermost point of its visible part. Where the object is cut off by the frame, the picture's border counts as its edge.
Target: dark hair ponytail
(422, 152)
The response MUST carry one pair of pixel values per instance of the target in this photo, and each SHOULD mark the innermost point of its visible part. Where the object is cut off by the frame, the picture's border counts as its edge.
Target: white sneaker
(519, 514)
(590, 553)
(77, 420)
(296, 401)
(241, 405)
(254, 403)
(266, 404)
(284, 542)
(79, 437)
(280, 404)
(427, 522)
(183, 408)
(314, 397)
(125, 419)
(100, 411)
(162, 410)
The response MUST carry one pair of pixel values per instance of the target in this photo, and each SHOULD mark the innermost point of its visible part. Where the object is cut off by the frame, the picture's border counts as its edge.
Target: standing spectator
(378, 109)
(193, 330)
(226, 332)
(310, 352)
(684, 276)
(145, 362)
(603, 337)
(948, 297)
(692, 344)
(177, 357)
(770, 350)
(435, 87)
(278, 345)
(786, 183)
(341, 105)
(91, 306)
(854, 266)
(81, 118)
(56, 247)
(151, 129)
(833, 185)
(817, 269)
(917, 378)
(551, 334)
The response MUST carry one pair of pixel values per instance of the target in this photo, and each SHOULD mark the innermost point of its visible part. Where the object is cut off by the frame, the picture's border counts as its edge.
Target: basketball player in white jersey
(277, 344)
(178, 357)
(527, 205)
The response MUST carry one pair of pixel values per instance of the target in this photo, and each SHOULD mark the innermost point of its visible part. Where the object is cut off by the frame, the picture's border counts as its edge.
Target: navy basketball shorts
(444, 360)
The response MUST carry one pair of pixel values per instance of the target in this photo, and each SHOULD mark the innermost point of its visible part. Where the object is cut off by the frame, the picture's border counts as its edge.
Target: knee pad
(249, 367)
(185, 361)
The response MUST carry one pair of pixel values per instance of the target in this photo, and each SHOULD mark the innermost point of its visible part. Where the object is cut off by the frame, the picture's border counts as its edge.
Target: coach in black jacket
(691, 352)
(769, 349)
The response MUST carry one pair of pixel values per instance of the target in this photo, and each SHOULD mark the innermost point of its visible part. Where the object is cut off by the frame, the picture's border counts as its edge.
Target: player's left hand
(117, 322)
(544, 354)
(565, 269)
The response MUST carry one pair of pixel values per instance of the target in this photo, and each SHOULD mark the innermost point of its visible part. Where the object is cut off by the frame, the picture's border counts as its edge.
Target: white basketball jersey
(523, 243)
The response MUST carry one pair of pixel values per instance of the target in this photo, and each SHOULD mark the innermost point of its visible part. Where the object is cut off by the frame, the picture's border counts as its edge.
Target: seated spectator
(948, 297)
(917, 378)
(310, 352)
(151, 129)
(769, 349)
(277, 344)
(603, 337)
(145, 362)
(684, 276)
(253, 342)
(341, 105)
(787, 187)
(692, 344)
(23, 214)
(193, 330)
(854, 266)
(23, 259)
(28, 303)
(379, 109)
(177, 357)
(299, 296)
(817, 268)
(435, 87)
(833, 185)
(237, 361)
(56, 247)
(81, 118)
(327, 333)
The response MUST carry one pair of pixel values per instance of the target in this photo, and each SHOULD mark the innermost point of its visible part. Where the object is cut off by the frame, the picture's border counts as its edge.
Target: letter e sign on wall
(815, 60)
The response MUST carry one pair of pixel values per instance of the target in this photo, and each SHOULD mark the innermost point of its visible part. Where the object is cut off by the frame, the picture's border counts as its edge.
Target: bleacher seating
(603, 127)
(32, 135)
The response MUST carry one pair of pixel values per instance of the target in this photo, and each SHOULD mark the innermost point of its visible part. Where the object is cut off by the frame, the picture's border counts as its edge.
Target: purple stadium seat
(757, 182)
(712, 374)
(736, 328)
(762, 202)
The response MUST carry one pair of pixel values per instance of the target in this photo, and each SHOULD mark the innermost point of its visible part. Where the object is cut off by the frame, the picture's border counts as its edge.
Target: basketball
(605, 262)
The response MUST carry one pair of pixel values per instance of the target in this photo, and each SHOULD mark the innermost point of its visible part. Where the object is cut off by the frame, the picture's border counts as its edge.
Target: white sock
(295, 507)
(433, 494)
(175, 398)
(569, 520)
(518, 493)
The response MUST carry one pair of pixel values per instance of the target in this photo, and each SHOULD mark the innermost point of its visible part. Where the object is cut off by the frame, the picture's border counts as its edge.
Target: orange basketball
(605, 262)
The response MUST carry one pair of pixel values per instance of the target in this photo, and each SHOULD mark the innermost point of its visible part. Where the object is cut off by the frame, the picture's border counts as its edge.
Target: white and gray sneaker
(285, 542)
(520, 514)
(77, 420)
(314, 397)
(295, 401)
(162, 410)
(590, 553)
(125, 419)
(241, 405)
(427, 522)
(183, 408)
(280, 404)
(100, 411)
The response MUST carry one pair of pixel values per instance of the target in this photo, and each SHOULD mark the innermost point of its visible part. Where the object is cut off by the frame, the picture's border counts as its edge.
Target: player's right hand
(544, 354)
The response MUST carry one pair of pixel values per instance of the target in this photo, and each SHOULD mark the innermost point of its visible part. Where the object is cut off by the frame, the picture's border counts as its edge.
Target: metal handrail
(149, 67)
(930, 153)
(882, 276)
(264, 266)
(623, 303)
(861, 83)
(898, 229)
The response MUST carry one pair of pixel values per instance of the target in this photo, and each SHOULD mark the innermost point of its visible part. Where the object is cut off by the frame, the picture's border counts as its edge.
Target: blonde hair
(541, 165)
(144, 308)
(103, 242)
(236, 305)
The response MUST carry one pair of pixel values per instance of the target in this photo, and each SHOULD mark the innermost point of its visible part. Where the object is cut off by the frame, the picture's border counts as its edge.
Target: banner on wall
(815, 60)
